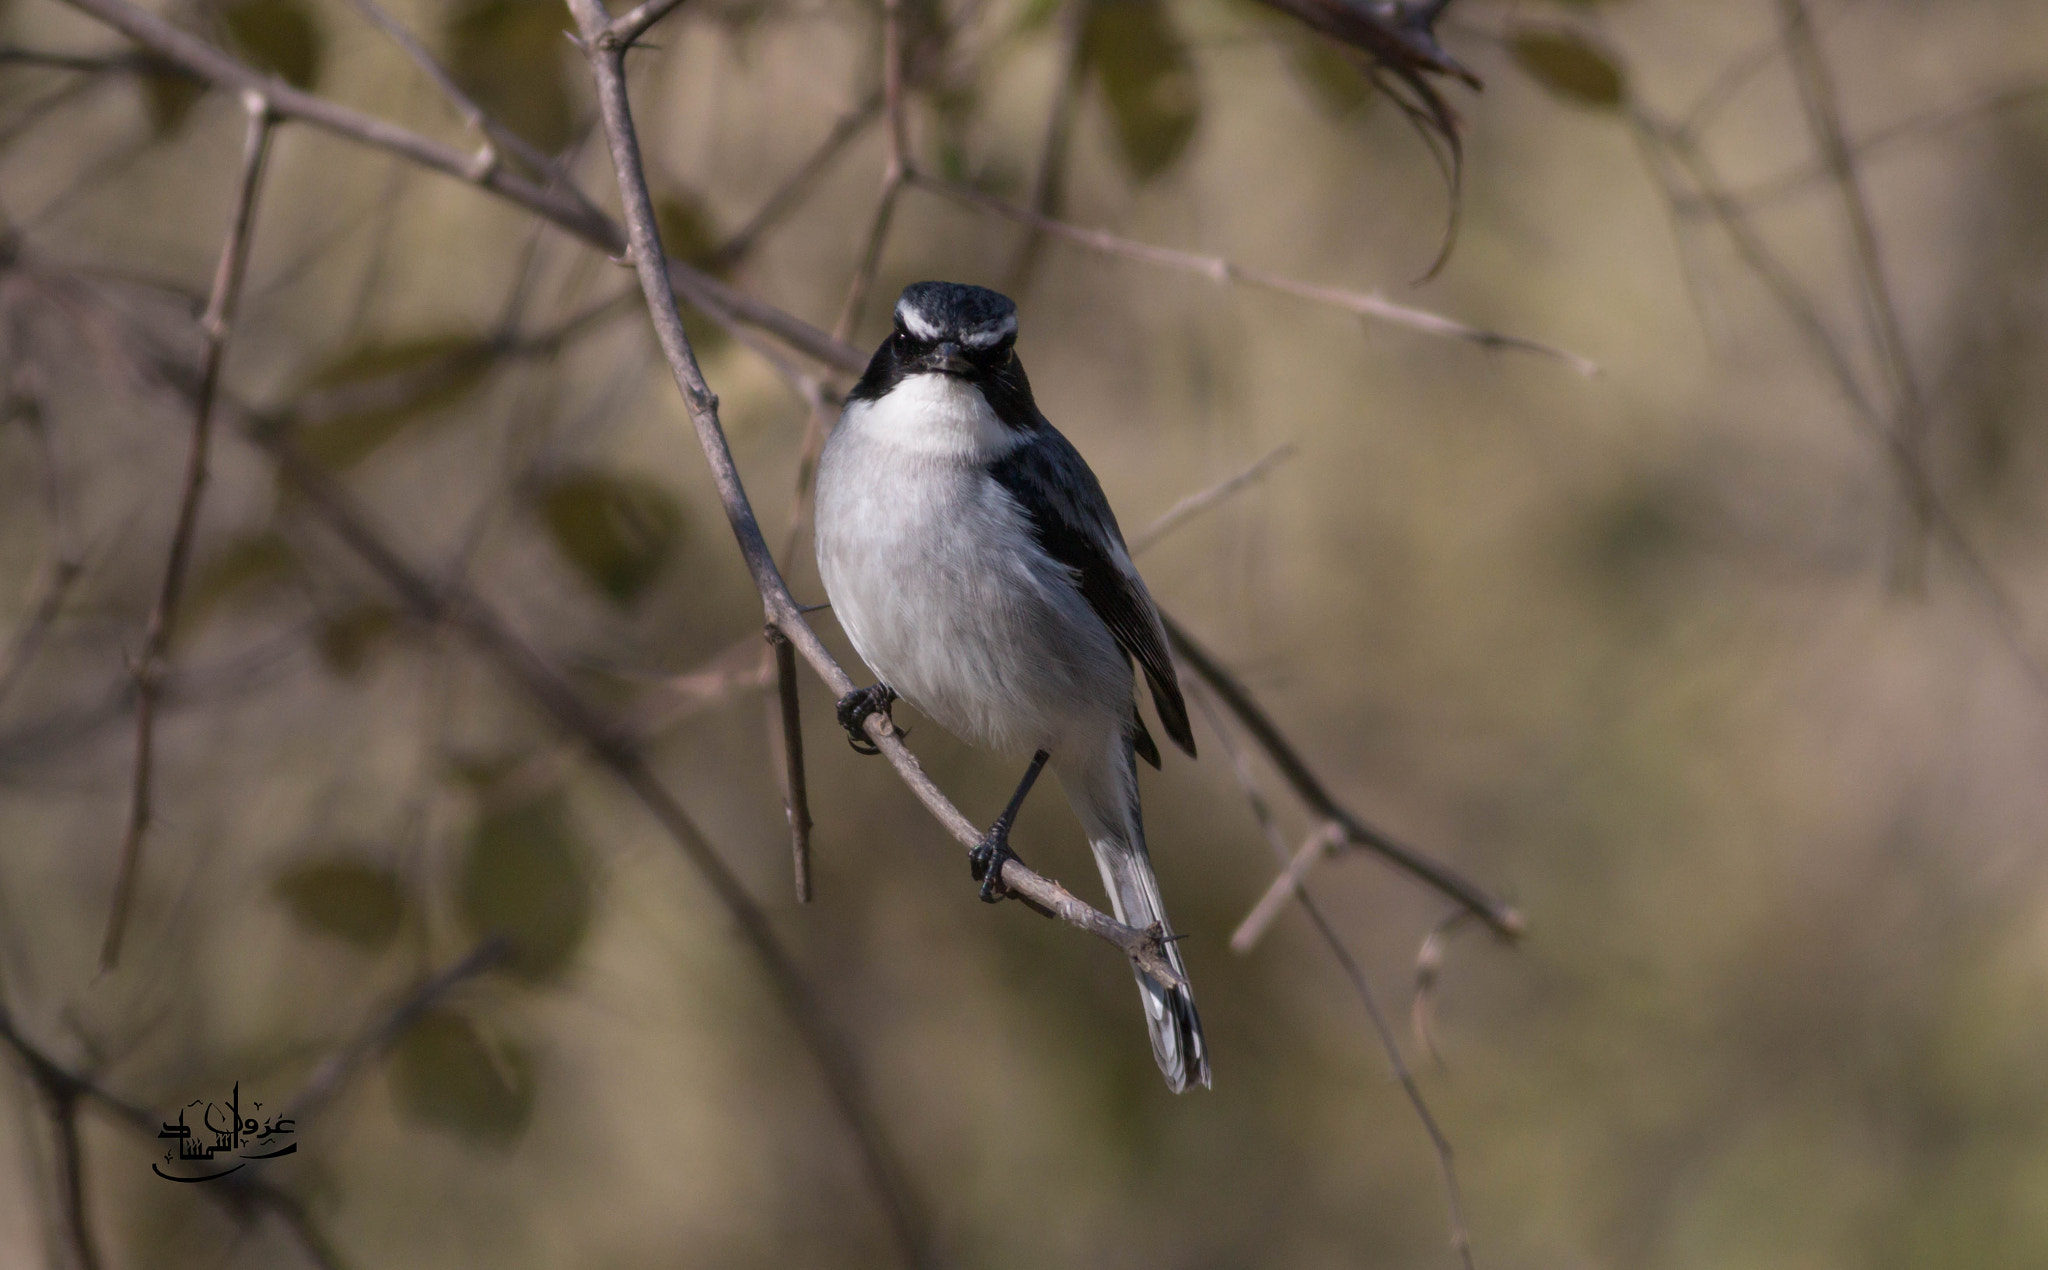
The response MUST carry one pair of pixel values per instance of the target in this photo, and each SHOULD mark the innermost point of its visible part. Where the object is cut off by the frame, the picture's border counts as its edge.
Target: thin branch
(1799, 308)
(71, 1179)
(795, 798)
(64, 565)
(390, 1026)
(85, 63)
(1217, 269)
(1049, 185)
(870, 257)
(240, 1194)
(1461, 1242)
(1453, 1195)
(567, 211)
(1195, 504)
(215, 324)
(895, 171)
(1824, 117)
(452, 605)
(494, 134)
(631, 25)
(1505, 920)
(779, 605)
(1327, 838)
(1776, 189)
(791, 191)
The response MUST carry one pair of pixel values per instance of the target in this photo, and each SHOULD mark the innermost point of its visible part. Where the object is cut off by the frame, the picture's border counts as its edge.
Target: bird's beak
(945, 359)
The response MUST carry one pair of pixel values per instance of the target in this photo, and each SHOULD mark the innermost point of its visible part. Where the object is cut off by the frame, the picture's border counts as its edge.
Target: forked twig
(1505, 920)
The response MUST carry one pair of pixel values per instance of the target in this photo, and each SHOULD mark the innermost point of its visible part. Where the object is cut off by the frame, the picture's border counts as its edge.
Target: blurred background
(1663, 655)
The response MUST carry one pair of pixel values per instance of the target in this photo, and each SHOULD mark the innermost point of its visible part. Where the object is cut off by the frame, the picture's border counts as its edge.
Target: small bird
(970, 556)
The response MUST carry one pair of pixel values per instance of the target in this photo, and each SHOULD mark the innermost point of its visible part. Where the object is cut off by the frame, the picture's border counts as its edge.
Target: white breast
(937, 415)
(933, 573)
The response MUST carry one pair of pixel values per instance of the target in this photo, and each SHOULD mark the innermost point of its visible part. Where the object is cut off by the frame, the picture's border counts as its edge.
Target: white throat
(933, 414)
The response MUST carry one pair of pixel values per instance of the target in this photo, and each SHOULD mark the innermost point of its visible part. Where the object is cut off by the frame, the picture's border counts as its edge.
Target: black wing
(1072, 521)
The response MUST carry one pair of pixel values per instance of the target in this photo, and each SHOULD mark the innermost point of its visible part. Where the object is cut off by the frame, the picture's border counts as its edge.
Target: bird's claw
(986, 863)
(854, 709)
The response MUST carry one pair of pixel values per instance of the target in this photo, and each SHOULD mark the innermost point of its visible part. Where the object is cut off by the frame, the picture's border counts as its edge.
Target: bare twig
(792, 189)
(795, 798)
(215, 324)
(241, 1195)
(1505, 920)
(494, 134)
(1049, 185)
(1327, 838)
(895, 171)
(632, 24)
(565, 210)
(451, 605)
(71, 1178)
(1261, 812)
(1799, 308)
(1195, 504)
(1817, 93)
(1218, 269)
(390, 1026)
(1882, 141)
(63, 565)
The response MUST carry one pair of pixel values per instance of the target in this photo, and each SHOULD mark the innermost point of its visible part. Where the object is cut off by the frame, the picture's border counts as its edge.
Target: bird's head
(950, 328)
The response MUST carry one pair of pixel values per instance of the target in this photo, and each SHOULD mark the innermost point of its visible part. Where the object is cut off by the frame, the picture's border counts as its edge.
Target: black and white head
(960, 331)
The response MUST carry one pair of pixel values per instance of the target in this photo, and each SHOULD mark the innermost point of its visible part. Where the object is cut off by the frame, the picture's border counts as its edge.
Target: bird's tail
(1108, 808)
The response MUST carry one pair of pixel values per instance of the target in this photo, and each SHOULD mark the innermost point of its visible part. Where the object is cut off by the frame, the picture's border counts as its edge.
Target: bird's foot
(854, 709)
(986, 863)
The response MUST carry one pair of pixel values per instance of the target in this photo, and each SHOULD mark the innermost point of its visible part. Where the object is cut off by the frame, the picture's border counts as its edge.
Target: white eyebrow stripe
(915, 323)
(989, 334)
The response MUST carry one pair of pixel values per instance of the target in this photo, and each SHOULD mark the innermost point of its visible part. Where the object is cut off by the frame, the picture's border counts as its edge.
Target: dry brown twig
(1269, 828)
(63, 561)
(1221, 270)
(215, 325)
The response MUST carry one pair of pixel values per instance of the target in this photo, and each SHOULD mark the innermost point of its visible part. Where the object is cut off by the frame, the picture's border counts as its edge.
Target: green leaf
(445, 1073)
(376, 391)
(168, 99)
(617, 529)
(351, 900)
(347, 639)
(247, 563)
(525, 875)
(1570, 66)
(1335, 81)
(1148, 80)
(510, 55)
(279, 36)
